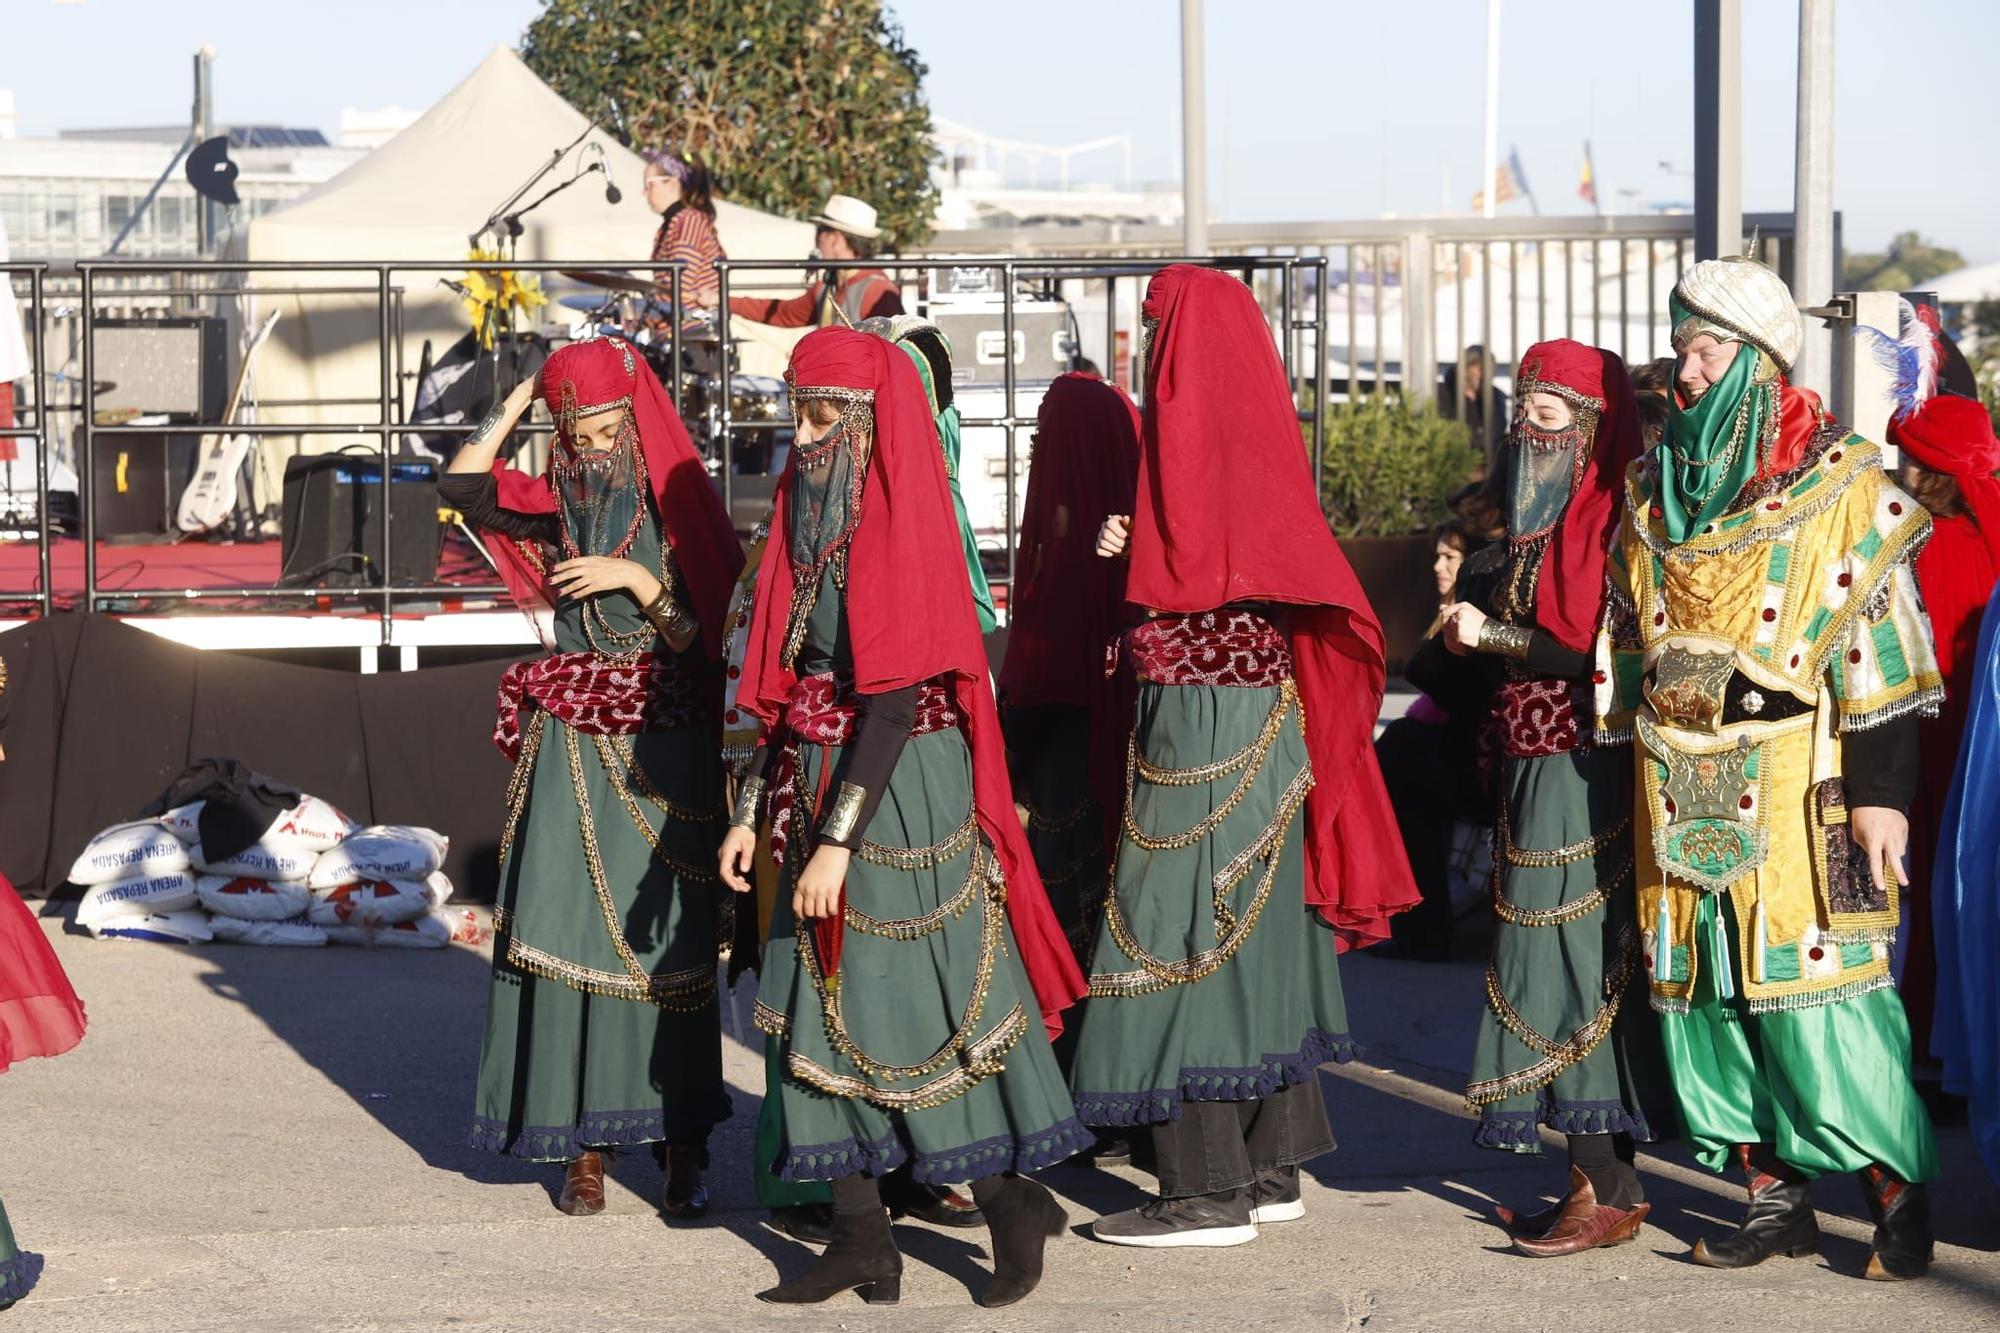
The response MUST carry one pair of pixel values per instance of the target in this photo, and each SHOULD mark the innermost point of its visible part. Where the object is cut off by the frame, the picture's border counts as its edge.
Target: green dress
(18, 1270)
(601, 1023)
(1566, 1039)
(929, 1048)
(1211, 979)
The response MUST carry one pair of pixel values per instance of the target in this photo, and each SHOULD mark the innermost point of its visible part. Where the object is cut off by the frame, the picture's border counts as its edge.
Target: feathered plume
(1914, 356)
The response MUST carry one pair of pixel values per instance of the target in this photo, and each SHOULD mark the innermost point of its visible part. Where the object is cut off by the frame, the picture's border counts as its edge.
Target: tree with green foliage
(1908, 263)
(786, 101)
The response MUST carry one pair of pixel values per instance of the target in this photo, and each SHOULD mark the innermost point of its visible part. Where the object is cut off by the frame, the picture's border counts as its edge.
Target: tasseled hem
(971, 1161)
(1518, 1131)
(1220, 1084)
(1852, 990)
(18, 1277)
(1924, 703)
(599, 1129)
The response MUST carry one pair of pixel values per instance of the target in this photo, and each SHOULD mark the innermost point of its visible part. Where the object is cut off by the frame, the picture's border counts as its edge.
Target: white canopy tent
(419, 197)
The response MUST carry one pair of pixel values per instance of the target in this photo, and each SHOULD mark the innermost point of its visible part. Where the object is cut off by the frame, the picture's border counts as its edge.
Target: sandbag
(429, 931)
(272, 858)
(249, 899)
(313, 824)
(184, 822)
(139, 896)
(129, 851)
(373, 902)
(190, 927)
(297, 932)
(381, 851)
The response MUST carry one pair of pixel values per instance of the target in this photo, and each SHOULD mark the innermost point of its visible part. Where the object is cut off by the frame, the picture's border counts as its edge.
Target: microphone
(612, 194)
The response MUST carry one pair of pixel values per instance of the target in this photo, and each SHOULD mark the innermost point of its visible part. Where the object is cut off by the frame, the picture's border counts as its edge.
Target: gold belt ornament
(1688, 687)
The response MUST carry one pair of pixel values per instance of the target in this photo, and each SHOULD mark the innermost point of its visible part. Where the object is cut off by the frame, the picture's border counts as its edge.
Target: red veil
(910, 618)
(1068, 603)
(601, 373)
(1226, 512)
(1569, 592)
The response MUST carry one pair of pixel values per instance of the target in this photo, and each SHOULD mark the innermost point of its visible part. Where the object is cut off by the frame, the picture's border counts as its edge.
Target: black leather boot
(1022, 1215)
(862, 1256)
(1902, 1213)
(1779, 1219)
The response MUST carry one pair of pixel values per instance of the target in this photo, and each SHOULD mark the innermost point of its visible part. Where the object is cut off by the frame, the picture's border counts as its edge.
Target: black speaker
(177, 366)
(138, 480)
(332, 521)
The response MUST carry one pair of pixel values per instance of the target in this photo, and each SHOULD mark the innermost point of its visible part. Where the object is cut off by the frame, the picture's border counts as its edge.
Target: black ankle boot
(1022, 1215)
(1779, 1220)
(1902, 1213)
(862, 1256)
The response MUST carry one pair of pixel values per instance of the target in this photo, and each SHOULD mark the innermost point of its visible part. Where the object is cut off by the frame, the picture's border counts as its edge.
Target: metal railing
(1355, 308)
(1286, 270)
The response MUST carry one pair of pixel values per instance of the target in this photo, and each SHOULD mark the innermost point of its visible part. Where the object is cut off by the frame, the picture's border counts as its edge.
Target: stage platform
(331, 618)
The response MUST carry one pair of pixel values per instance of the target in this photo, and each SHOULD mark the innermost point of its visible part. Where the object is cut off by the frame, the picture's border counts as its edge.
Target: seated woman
(913, 969)
(1430, 761)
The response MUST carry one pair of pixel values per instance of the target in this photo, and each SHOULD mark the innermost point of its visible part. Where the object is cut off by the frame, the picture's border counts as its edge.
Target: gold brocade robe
(1738, 660)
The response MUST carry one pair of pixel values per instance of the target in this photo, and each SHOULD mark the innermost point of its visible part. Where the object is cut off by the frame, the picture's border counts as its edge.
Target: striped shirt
(688, 235)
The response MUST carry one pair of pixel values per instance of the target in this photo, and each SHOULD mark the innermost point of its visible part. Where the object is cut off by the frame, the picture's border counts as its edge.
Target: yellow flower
(494, 295)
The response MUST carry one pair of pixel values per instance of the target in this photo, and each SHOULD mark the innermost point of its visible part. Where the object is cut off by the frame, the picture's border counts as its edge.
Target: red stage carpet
(189, 564)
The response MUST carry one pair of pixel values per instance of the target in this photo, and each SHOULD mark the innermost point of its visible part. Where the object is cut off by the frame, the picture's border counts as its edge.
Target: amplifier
(176, 366)
(137, 482)
(978, 334)
(331, 522)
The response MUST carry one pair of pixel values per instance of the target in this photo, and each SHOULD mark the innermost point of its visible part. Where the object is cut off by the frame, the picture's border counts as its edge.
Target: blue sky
(1327, 109)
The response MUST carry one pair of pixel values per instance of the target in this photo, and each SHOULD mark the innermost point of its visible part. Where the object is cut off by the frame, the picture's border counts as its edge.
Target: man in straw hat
(1765, 644)
(847, 231)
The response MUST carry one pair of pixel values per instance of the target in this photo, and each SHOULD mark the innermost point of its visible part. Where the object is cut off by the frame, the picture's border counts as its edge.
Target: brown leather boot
(583, 1187)
(1584, 1223)
(1530, 1224)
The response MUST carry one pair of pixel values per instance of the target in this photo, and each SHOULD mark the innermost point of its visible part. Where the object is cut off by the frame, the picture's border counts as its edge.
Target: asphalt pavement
(269, 1139)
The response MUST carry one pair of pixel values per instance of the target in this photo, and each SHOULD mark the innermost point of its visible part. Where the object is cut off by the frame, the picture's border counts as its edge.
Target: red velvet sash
(1538, 717)
(1232, 648)
(596, 697)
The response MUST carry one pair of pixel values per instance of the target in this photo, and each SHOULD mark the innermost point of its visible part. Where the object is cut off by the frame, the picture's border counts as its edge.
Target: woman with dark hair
(914, 970)
(39, 1015)
(601, 1028)
(680, 190)
(1430, 759)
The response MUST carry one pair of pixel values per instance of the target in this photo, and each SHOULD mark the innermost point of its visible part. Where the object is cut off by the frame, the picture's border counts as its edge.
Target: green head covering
(1712, 449)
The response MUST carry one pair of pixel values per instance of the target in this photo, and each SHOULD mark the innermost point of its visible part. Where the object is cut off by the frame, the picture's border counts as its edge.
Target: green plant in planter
(1390, 468)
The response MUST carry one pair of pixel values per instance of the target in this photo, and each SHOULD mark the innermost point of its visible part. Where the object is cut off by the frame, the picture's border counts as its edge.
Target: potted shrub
(1389, 471)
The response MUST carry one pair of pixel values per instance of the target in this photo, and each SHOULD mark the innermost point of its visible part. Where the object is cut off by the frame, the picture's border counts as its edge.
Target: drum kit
(635, 308)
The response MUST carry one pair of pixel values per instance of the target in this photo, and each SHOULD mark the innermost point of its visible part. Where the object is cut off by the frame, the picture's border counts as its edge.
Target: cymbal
(597, 277)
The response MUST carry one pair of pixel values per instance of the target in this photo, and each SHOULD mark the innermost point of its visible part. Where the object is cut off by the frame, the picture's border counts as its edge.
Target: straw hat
(843, 212)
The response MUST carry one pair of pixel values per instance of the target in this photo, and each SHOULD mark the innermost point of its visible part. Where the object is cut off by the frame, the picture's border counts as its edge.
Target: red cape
(1226, 512)
(910, 619)
(599, 372)
(39, 1013)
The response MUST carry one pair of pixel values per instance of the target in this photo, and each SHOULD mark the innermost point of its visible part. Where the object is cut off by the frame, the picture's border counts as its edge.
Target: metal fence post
(1419, 316)
(86, 470)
